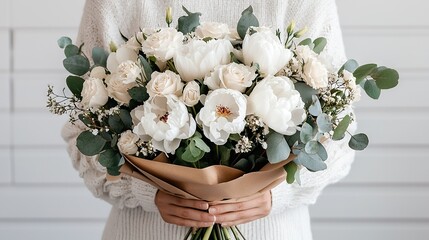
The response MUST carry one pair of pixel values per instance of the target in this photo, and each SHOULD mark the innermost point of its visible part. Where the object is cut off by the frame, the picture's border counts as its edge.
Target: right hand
(183, 212)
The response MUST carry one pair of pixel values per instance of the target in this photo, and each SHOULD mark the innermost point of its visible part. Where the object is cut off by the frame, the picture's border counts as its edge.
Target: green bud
(113, 47)
(301, 32)
(291, 27)
(169, 16)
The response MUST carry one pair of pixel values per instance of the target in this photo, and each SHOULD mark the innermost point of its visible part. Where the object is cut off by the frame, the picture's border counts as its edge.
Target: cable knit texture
(134, 214)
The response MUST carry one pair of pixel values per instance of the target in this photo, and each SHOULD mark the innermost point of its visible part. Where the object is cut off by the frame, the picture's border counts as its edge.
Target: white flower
(128, 71)
(278, 104)
(212, 30)
(303, 52)
(350, 81)
(127, 143)
(315, 73)
(265, 49)
(191, 94)
(197, 58)
(121, 55)
(94, 93)
(164, 83)
(136, 114)
(165, 121)
(163, 44)
(118, 90)
(136, 41)
(224, 113)
(98, 72)
(233, 76)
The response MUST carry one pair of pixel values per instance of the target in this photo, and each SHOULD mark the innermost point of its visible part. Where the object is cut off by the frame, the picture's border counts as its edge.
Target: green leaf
(306, 133)
(116, 124)
(364, 71)
(114, 171)
(225, 155)
(64, 41)
(311, 162)
(235, 137)
(312, 147)
(109, 158)
(90, 144)
(126, 118)
(139, 94)
(245, 165)
(359, 141)
(147, 69)
(322, 153)
(306, 42)
(350, 66)
(247, 20)
(188, 23)
(385, 78)
(99, 56)
(324, 123)
(75, 84)
(188, 157)
(194, 150)
(277, 148)
(71, 50)
(371, 89)
(291, 169)
(77, 65)
(340, 130)
(319, 44)
(306, 92)
(315, 108)
(199, 143)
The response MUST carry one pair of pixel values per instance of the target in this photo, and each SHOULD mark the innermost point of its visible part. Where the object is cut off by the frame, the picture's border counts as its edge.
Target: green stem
(197, 234)
(235, 233)
(226, 233)
(241, 234)
(208, 233)
(188, 234)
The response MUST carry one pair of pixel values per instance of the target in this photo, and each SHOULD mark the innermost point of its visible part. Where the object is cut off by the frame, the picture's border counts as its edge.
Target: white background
(385, 197)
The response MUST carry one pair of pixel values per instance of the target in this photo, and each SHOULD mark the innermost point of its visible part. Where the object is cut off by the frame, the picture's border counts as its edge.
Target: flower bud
(169, 16)
(301, 32)
(291, 27)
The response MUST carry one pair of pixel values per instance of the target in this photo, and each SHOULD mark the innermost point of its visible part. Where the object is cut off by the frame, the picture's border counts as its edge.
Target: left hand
(243, 210)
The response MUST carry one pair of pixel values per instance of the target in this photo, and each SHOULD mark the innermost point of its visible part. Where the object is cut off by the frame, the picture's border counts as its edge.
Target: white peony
(265, 49)
(224, 113)
(278, 104)
(127, 143)
(165, 83)
(98, 72)
(233, 76)
(121, 55)
(165, 121)
(198, 58)
(191, 94)
(315, 73)
(212, 30)
(118, 90)
(94, 93)
(163, 44)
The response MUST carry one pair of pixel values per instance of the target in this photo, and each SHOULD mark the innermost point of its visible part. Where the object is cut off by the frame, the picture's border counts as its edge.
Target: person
(141, 212)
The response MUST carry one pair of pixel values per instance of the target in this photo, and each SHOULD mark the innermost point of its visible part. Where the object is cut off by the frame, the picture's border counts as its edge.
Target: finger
(192, 214)
(235, 207)
(241, 215)
(186, 222)
(165, 198)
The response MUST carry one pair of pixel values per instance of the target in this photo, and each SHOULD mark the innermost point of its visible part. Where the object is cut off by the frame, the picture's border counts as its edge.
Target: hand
(183, 212)
(243, 210)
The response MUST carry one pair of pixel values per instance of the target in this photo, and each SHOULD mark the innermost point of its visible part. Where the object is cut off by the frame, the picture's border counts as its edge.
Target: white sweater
(134, 215)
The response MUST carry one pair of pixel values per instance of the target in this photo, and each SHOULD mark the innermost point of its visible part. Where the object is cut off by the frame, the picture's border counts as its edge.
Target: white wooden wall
(385, 197)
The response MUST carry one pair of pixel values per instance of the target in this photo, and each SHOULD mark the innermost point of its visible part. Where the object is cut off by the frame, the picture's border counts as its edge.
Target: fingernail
(212, 210)
(204, 205)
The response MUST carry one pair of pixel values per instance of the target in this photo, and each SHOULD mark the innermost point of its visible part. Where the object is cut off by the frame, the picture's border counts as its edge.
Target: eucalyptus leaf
(322, 153)
(277, 148)
(306, 92)
(312, 147)
(359, 141)
(319, 44)
(364, 71)
(109, 158)
(225, 155)
(188, 23)
(245, 165)
(311, 162)
(90, 144)
(324, 123)
(126, 118)
(315, 108)
(290, 168)
(147, 69)
(371, 89)
(116, 124)
(71, 50)
(188, 157)
(385, 78)
(114, 171)
(306, 42)
(235, 137)
(64, 41)
(306, 133)
(340, 130)
(199, 143)
(350, 66)
(99, 56)
(247, 20)
(194, 150)
(78, 64)
(139, 94)
(75, 85)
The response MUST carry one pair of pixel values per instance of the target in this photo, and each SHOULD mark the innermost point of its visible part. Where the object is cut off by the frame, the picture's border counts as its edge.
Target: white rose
(121, 55)
(94, 93)
(278, 104)
(212, 30)
(265, 49)
(303, 52)
(224, 113)
(135, 42)
(127, 143)
(164, 83)
(98, 72)
(163, 44)
(165, 121)
(233, 76)
(118, 90)
(129, 71)
(197, 58)
(191, 94)
(315, 73)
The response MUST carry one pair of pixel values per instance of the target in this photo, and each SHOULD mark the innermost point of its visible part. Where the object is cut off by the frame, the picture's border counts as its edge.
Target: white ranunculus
(129, 71)
(98, 72)
(278, 104)
(233, 76)
(265, 49)
(165, 121)
(191, 94)
(118, 90)
(121, 55)
(212, 30)
(223, 114)
(127, 143)
(197, 58)
(163, 44)
(94, 93)
(315, 73)
(165, 83)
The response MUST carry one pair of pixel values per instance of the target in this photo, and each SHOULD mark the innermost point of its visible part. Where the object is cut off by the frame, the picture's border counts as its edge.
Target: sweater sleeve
(98, 27)
(321, 18)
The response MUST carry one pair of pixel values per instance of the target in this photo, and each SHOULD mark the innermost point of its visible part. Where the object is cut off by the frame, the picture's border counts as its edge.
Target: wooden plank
(373, 202)
(50, 202)
(5, 165)
(4, 50)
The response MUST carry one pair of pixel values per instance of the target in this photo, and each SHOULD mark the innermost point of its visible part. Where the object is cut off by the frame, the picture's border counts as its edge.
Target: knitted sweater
(134, 214)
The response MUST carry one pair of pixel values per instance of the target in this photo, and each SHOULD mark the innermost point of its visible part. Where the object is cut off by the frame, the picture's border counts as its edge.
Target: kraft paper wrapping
(214, 183)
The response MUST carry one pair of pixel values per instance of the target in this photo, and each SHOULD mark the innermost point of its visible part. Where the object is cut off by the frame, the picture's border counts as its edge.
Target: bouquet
(200, 109)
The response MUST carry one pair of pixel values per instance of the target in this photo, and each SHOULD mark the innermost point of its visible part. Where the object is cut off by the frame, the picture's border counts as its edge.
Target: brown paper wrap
(214, 183)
